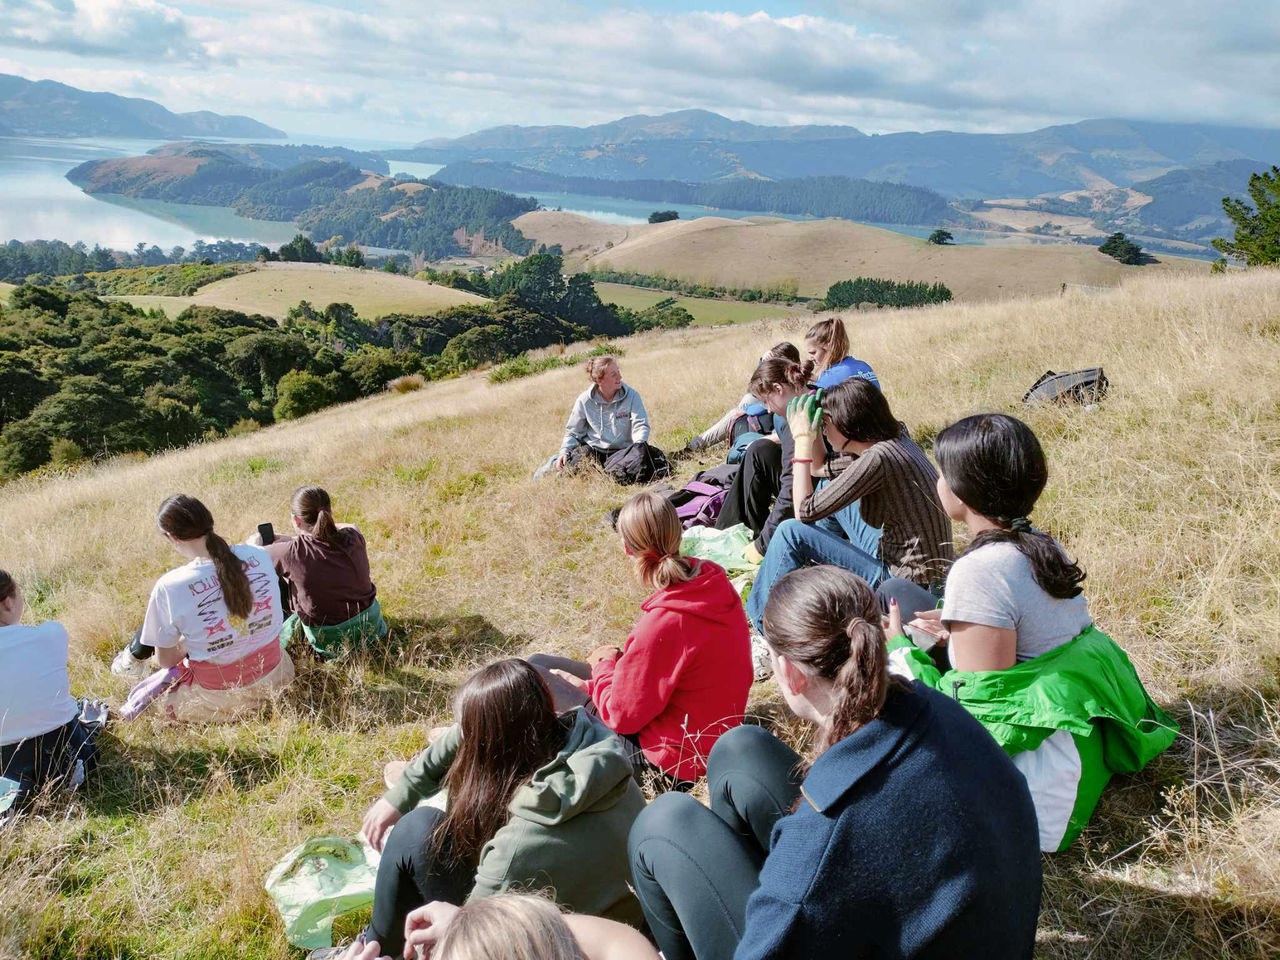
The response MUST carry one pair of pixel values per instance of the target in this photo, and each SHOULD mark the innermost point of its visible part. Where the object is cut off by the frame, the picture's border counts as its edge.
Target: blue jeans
(797, 545)
(848, 522)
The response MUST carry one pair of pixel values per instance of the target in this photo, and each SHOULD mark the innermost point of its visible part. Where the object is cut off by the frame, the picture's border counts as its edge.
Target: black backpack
(638, 463)
(1078, 386)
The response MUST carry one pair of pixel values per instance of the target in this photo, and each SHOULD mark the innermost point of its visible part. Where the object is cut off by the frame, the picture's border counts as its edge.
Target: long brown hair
(776, 372)
(651, 530)
(861, 411)
(828, 620)
(832, 340)
(186, 518)
(311, 505)
(509, 729)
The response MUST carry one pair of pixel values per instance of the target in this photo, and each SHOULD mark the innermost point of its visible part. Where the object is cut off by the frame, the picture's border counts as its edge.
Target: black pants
(38, 761)
(411, 875)
(693, 868)
(755, 488)
(565, 696)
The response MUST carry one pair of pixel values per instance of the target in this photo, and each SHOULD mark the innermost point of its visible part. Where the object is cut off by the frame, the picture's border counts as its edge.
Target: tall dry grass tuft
(1168, 494)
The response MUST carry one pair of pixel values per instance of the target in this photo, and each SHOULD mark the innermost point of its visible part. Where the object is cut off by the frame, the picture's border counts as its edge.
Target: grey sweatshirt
(606, 426)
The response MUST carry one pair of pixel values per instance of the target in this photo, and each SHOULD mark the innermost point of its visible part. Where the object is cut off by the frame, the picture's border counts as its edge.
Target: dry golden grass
(274, 288)
(1168, 494)
(817, 253)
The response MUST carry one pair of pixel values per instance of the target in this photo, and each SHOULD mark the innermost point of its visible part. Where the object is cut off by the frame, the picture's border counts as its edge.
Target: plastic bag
(319, 880)
(724, 547)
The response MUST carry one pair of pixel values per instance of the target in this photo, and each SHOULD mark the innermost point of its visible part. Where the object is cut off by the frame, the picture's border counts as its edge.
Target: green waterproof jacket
(568, 826)
(1069, 718)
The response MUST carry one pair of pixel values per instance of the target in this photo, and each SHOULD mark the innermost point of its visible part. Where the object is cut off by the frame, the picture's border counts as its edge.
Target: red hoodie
(684, 675)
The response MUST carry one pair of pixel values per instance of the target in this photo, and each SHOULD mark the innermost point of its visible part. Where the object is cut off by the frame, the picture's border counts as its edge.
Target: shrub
(941, 237)
(300, 393)
(407, 384)
(65, 452)
(242, 426)
(662, 216)
(1122, 249)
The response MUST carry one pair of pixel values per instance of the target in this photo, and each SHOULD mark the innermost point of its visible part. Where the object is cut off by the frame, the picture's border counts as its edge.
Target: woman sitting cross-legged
(1059, 695)
(326, 566)
(890, 484)
(43, 737)
(910, 835)
(607, 417)
(683, 677)
(535, 801)
(216, 617)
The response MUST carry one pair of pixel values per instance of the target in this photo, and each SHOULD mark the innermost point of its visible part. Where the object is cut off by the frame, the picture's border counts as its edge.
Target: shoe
(327, 953)
(393, 771)
(761, 662)
(127, 665)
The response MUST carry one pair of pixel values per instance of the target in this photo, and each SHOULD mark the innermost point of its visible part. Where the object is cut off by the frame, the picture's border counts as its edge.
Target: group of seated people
(912, 828)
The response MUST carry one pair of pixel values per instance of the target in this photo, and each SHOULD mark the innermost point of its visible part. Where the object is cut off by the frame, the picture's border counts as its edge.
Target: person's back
(842, 370)
(845, 878)
(328, 584)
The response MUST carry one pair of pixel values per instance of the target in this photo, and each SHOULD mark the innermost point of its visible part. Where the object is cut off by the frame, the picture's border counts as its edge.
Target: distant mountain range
(696, 145)
(45, 108)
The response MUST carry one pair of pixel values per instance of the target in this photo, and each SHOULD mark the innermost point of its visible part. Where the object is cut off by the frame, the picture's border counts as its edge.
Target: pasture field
(761, 250)
(5, 290)
(1168, 494)
(273, 289)
(706, 311)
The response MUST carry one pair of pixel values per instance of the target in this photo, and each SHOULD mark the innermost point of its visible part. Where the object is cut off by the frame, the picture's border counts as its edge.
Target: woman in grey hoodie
(606, 417)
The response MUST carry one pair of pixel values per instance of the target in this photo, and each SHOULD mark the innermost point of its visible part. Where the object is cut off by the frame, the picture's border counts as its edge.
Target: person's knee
(906, 592)
(667, 818)
(539, 661)
(737, 746)
(790, 532)
(407, 840)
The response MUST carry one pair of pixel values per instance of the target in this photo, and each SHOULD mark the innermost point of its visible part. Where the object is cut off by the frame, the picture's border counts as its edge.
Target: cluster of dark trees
(81, 376)
(19, 260)
(1121, 248)
(1257, 236)
(663, 216)
(884, 293)
(781, 291)
(831, 196)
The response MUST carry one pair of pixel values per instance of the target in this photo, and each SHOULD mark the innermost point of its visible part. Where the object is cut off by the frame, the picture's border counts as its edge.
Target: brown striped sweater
(898, 490)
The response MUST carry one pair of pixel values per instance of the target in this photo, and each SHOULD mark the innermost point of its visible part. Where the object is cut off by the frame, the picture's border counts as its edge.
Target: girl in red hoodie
(683, 676)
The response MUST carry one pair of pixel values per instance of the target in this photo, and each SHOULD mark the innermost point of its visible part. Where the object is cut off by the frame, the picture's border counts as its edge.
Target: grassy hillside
(817, 253)
(706, 312)
(5, 290)
(274, 288)
(1168, 495)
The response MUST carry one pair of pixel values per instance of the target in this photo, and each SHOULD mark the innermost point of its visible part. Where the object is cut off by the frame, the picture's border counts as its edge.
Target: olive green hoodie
(567, 832)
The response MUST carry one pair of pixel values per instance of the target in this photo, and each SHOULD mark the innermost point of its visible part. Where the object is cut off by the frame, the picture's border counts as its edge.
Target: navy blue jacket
(914, 837)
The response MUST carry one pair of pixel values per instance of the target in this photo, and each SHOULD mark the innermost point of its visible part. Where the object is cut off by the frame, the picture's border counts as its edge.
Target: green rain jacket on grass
(1068, 719)
(568, 826)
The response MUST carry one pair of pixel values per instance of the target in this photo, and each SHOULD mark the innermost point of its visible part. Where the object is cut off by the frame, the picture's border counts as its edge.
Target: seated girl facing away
(535, 801)
(683, 676)
(1057, 693)
(827, 343)
(890, 484)
(217, 618)
(511, 926)
(910, 835)
(335, 604)
(43, 738)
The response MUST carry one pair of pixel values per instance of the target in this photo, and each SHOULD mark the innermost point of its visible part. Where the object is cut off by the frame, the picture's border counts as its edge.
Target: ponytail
(184, 517)
(831, 340)
(995, 465)
(827, 620)
(651, 530)
(779, 372)
(312, 506)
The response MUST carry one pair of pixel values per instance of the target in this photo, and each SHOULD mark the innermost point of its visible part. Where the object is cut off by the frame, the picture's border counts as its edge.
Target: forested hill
(49, 109)
(832, 196)
(324, 193)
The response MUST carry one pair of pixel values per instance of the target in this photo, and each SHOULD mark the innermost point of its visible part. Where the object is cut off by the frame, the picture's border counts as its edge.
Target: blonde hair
(596, 367)
(832, 340)
(651, 530)
(509, 926)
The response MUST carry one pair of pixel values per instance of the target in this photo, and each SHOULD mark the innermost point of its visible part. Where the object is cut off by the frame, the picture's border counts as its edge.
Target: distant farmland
(705, 312)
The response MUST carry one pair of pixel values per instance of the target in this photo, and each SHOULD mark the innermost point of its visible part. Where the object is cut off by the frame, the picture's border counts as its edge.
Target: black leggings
(693, 868)
(411, 875)
(754, 489)
(37, 761)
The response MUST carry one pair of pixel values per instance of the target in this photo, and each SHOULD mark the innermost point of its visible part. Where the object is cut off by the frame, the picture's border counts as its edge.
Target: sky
(387, 70)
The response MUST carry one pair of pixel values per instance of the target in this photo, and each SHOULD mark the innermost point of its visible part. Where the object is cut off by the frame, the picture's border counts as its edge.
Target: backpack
(1079, 386)
(638, 463)
(698, 504)
(739, 448)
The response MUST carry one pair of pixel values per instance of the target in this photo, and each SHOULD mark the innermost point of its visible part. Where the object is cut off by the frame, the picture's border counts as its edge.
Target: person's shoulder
(49, 630)
(250, 551)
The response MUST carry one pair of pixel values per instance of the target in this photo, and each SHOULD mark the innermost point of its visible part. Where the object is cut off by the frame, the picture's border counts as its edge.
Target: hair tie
(1020, 525)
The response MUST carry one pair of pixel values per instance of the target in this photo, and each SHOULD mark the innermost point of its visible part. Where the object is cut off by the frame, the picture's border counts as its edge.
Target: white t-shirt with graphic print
(187, 605)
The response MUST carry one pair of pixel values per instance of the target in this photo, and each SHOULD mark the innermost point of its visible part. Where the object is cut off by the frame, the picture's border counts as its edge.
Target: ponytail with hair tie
(1021, 525)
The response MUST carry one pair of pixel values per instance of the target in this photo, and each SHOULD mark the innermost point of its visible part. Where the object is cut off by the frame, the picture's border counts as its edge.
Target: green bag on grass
(724, 547)
(319, 880)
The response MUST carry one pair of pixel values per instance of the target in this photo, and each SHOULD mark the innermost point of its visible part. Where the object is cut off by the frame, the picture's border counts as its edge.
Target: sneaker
(761, 662)
(327, 953)
(127, 665)
(77, 776)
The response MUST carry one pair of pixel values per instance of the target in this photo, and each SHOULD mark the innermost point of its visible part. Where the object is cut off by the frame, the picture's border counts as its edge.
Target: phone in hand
(267, 533)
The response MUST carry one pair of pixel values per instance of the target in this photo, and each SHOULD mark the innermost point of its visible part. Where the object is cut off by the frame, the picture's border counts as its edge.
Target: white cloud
(402, 70)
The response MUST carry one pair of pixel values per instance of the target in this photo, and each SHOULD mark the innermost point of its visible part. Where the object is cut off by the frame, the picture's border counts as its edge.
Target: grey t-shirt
(994, 586)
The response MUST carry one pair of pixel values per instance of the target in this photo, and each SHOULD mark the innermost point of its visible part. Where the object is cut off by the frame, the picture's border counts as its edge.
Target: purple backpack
(703, 507)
